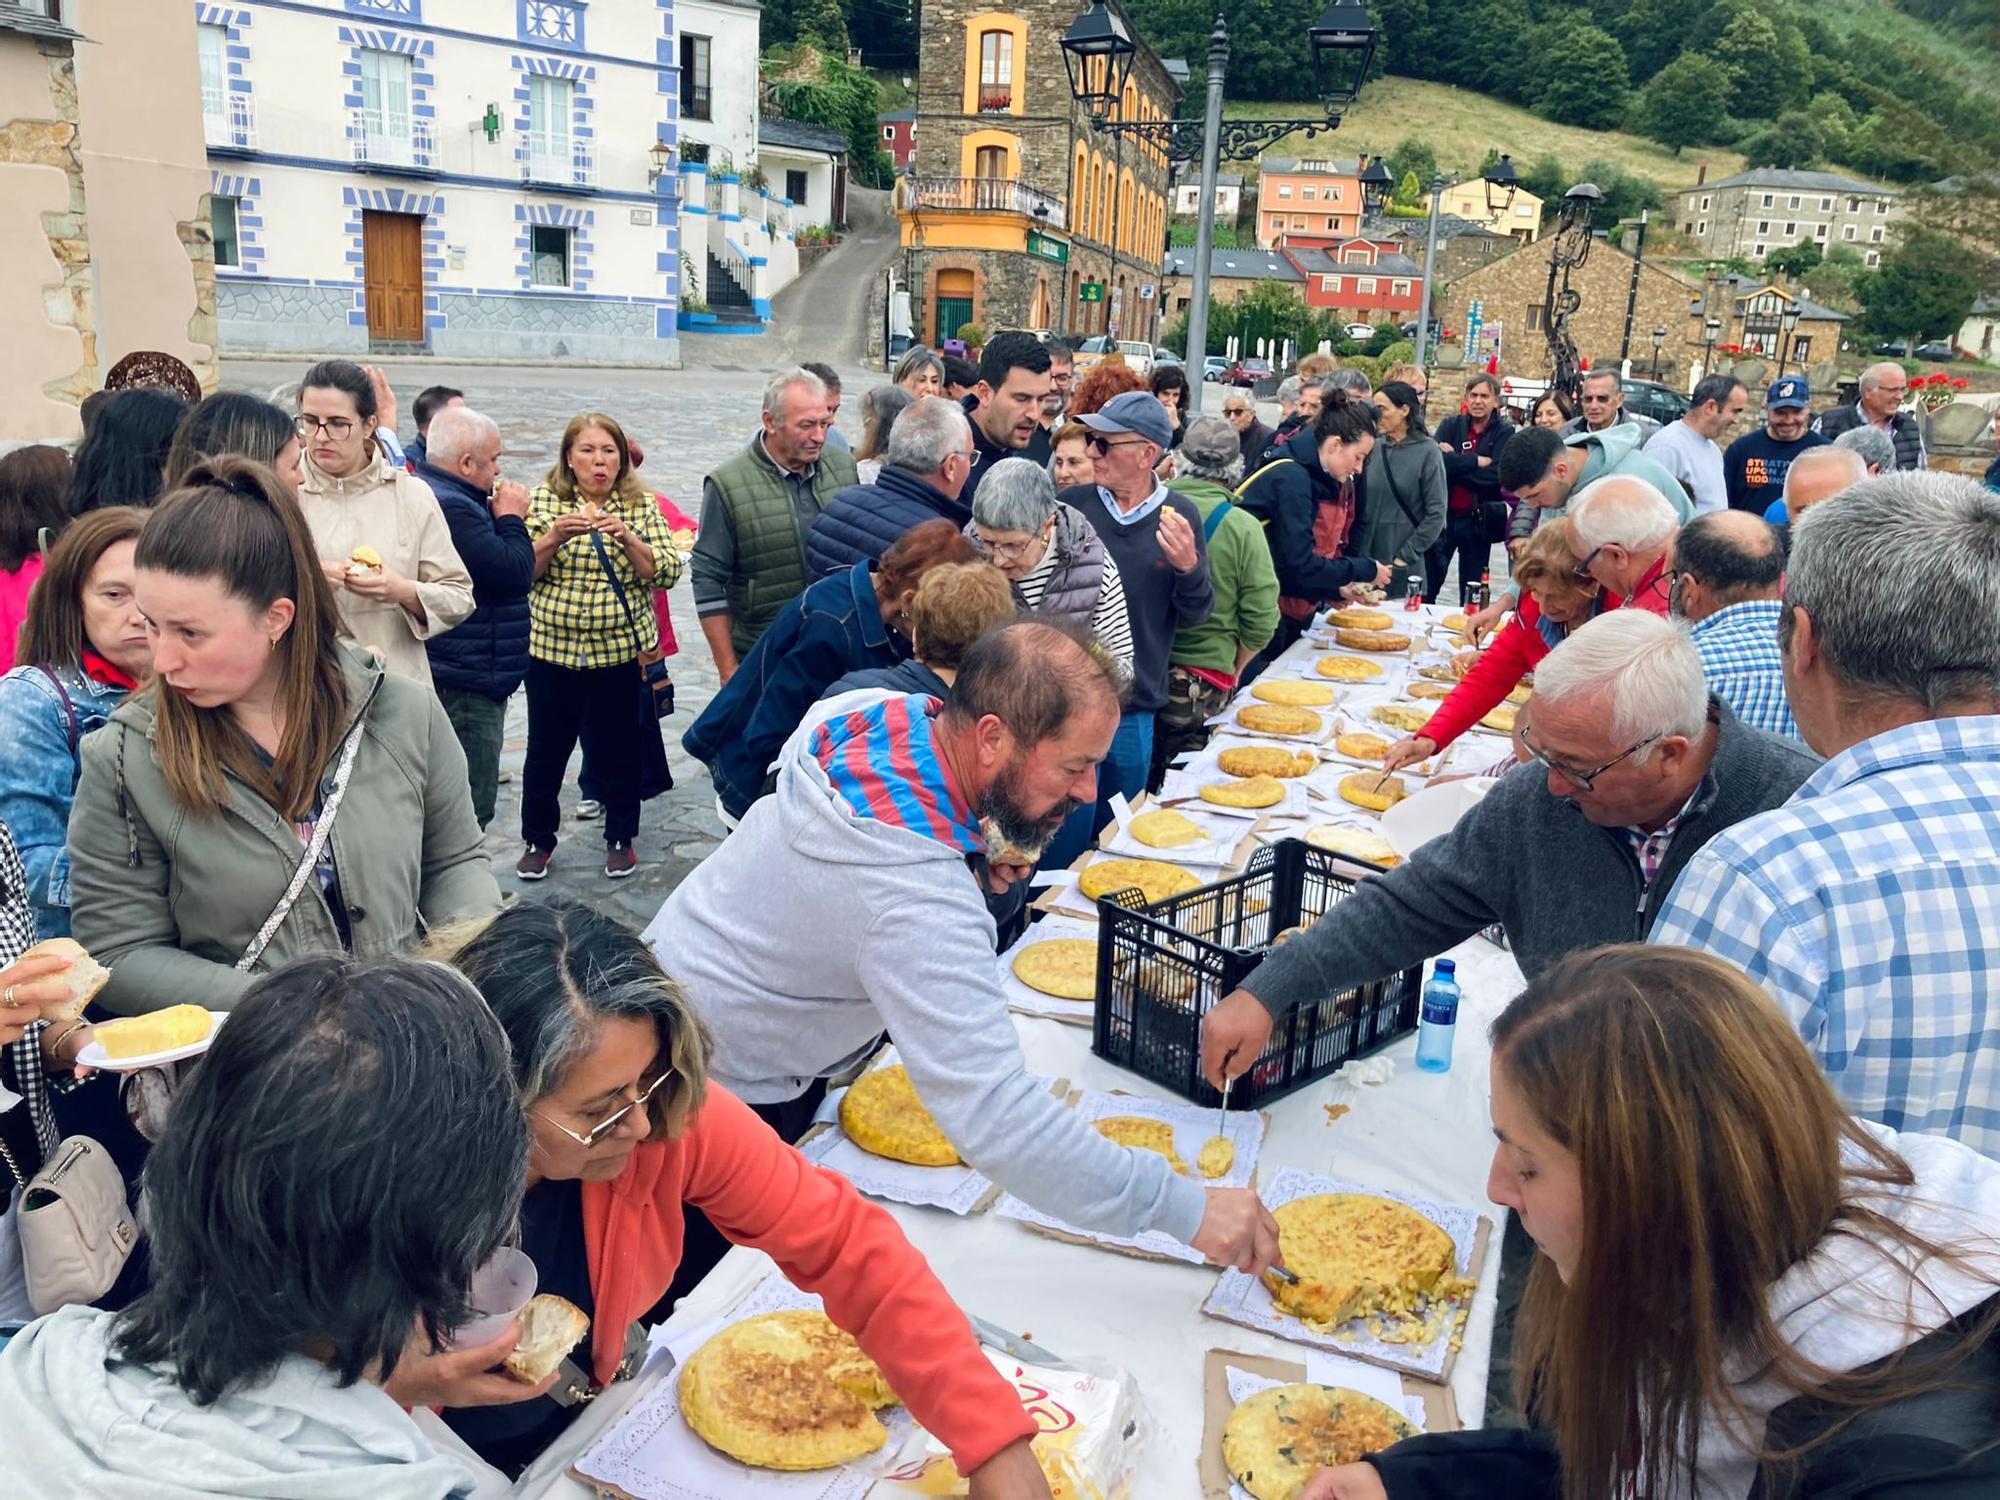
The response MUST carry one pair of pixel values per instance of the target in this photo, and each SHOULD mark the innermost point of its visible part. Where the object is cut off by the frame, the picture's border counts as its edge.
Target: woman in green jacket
(1208, 658)
(273, 792)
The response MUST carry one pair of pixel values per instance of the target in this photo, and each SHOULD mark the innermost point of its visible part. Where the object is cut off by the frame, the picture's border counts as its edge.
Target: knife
(1012, 1344)
(1290, 1278)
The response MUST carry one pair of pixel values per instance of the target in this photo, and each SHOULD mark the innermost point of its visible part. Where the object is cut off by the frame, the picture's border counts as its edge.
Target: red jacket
(825, 1238)
(1512, 655)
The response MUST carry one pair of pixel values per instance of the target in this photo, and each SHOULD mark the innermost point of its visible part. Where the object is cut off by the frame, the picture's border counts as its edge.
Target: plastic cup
(500, 1289)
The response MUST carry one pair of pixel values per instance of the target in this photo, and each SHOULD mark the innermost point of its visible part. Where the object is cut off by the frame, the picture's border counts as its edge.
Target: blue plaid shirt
(1869, 907)
(1739, 657)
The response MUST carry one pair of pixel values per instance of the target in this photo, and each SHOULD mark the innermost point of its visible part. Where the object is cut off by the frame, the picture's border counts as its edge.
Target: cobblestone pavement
(686, 422)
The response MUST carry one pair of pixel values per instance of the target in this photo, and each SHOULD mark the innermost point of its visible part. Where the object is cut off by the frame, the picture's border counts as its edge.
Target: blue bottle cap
(1447, 966)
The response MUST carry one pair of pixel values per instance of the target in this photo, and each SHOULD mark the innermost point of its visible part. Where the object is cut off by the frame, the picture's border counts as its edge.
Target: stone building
(1015, 213)
(104, 245)
(1771, 208)
(1231, 275)
(1462, 245)
(1512, 298)
(1750, 311)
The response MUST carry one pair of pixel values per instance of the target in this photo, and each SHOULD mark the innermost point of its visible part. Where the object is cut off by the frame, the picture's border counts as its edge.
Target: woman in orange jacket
(624, 1130)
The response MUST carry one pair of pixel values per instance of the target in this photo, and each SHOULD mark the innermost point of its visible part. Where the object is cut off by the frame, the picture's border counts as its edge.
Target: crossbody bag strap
(315, 847)
(604, 561)
(1214, 520)
(69, 709)
(1396, 489)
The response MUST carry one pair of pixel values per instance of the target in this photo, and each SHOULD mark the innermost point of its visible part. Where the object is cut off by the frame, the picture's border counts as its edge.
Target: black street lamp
(1098, 52)
(1501, 183)
(1788, 321)
(1376, 186)
(1713, 328)
(1659, 346)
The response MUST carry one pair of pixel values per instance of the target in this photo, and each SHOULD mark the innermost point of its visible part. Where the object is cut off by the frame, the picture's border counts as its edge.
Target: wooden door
(392, 263)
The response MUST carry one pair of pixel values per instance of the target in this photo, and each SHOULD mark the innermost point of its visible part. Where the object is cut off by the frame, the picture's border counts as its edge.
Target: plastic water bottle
(1438, 1019)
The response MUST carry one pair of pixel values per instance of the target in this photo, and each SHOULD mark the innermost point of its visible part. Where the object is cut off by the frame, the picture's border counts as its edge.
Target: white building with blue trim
(469, 178)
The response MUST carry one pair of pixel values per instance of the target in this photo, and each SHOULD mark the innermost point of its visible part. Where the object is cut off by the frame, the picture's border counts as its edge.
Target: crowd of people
(259, 656)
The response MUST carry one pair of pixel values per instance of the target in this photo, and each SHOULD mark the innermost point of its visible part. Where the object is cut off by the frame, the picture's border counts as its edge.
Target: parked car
(1648, 398)
(1164, 357)
(1247, 372)
(1361, 333)
(1092, 351)
(1938, 351)
(1216, 367)
(1408, 330)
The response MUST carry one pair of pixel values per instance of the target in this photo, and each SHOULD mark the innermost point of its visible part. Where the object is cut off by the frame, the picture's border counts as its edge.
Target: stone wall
(543, 327)
(285, 318)
(1513, 289)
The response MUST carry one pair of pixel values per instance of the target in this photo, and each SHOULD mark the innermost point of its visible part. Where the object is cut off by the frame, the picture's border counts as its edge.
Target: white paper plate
(94, 1056)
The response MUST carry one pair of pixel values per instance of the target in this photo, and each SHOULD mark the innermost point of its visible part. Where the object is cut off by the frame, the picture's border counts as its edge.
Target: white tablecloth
(1426, 1132)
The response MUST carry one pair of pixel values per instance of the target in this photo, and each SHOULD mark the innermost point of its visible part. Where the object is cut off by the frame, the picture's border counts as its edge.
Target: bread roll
(550, 1328)
(85, 976)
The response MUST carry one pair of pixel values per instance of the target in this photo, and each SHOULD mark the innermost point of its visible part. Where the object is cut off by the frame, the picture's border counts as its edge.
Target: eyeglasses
(1582, 570)
(610, 1122)
(971, 457)
(338, 428)
(1005, 549)
(1583, 779)
(1600, 400)
(1101, 445)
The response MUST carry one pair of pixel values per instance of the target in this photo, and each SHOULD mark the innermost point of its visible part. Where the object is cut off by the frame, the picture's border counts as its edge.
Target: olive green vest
(770, 554)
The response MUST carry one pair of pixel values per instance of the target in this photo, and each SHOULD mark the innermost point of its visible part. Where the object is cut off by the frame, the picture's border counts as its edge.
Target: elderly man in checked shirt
(1727, 575)
(1869, 905)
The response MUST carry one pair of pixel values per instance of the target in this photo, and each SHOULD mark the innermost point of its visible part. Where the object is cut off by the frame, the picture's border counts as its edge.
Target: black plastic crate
(1162, 968)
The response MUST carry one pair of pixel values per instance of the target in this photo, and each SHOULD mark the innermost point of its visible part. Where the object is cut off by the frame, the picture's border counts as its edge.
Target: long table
(1427, 1133)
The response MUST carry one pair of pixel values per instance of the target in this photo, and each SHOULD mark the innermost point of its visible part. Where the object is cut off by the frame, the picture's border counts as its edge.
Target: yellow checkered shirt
(574, 617)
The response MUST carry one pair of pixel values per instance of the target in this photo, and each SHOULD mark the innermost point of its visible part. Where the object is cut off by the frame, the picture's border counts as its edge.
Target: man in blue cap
(1755, 465)
(1154, 537)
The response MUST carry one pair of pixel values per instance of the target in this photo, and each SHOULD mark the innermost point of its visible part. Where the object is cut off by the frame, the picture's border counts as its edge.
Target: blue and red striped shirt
(883, 763)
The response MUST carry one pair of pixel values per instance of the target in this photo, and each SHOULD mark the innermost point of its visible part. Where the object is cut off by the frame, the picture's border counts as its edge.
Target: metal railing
(985, 195)
(560, 160)
(229, 121)
(390, 140)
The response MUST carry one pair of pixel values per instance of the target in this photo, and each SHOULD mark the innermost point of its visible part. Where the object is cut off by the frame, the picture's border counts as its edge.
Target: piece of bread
(551, 1326)
(85, 976)
(160, 1031)
(364, 559)
(1372, 640)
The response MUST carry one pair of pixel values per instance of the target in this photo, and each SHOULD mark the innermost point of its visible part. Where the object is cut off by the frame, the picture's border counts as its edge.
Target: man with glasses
(1062, 374)
(924, 471)
(1603, 402)
(1635, 766)
(1884, 389)
(1622, 533)
(1755, 465)
(1054, 559)
(1253, 436)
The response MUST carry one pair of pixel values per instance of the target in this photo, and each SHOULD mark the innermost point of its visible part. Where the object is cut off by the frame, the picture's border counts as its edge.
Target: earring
(274, 642)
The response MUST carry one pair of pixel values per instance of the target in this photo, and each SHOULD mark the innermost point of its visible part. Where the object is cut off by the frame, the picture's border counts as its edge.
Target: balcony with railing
(559, 161)
(392, 142)
(984, 195)
(229, 121)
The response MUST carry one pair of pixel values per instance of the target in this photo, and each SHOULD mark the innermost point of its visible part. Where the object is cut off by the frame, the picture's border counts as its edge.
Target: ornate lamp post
(1788, 321)
(1098, 52)
(1659, 345)
(1712, 327)
(1500, 185)
(1375, 186)
(1569, 248)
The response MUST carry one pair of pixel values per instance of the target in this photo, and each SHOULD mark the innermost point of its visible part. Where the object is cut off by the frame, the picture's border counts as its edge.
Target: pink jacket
(14, 588)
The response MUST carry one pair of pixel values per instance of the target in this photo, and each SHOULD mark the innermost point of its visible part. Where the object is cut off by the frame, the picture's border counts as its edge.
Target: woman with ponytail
(274, 791)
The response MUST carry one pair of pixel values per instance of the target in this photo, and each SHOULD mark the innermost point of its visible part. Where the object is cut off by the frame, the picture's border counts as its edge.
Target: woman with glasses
(629, 1142)
(1051, 554)
(1557, 599)
(847, 621)
(382, 540)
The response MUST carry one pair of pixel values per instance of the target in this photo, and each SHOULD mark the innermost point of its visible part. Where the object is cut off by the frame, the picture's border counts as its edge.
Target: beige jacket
(394, 512)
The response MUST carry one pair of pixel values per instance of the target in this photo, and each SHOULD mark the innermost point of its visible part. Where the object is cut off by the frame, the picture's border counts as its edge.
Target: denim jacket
(39, 766)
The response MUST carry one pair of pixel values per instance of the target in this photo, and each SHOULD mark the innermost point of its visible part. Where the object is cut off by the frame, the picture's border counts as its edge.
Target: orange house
(1309, 202)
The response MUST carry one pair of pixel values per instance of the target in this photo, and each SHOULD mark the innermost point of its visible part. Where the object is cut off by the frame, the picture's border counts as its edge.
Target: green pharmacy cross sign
(1090, 291)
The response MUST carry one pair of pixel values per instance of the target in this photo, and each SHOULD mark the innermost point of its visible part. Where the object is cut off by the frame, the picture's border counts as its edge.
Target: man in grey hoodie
(853, 902)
